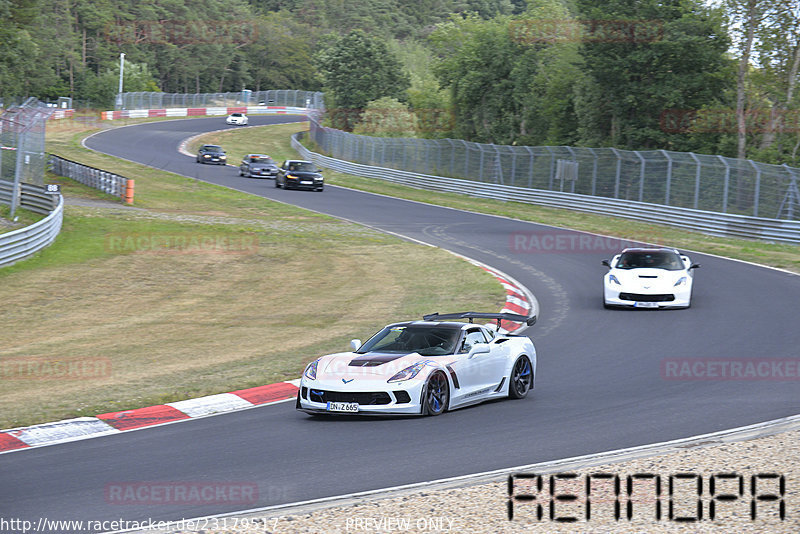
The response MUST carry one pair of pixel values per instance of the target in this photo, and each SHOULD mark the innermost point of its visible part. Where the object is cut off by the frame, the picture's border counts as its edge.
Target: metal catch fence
(275, 97)
(22, 156)
(678, 179)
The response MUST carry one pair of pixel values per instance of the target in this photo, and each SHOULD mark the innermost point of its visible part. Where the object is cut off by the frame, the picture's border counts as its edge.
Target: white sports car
(422, 367)
(239, 119)
(648, 278)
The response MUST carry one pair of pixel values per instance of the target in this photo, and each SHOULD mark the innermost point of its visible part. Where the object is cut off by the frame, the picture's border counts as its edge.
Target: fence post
(696, 180)
(513, 166)
(619, 171)
(641, 176)
(575, 160)
(726, 185)
(669, 176)
(15, 189)
(757, 191)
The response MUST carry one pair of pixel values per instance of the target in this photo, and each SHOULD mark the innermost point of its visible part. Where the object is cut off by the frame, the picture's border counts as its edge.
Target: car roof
(650, 249)
(298, 161)
(256, 156)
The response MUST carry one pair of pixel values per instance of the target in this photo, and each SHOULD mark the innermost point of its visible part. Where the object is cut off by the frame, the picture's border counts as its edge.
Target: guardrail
(202, 112)
(713, 223)
(21, 243)
(107, 182)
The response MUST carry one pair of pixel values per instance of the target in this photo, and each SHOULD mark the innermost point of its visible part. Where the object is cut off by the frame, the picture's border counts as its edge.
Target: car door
(478, 374)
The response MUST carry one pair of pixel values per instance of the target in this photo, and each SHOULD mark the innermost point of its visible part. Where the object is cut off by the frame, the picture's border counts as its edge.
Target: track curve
(599, 386)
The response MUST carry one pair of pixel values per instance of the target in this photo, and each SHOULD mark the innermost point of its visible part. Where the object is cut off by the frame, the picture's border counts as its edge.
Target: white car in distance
(238, 119)
(648, 278)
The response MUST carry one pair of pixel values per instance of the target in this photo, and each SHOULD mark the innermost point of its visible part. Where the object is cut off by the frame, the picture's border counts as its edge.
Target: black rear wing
(514, 317)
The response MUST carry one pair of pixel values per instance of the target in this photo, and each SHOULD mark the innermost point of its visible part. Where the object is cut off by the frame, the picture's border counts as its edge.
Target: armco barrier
(713, 223)
(205, 111)
(23, 242)
(105, 181)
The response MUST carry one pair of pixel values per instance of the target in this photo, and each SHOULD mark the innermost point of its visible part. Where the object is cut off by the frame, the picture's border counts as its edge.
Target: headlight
(681, 281)
(206, 156)
(291, 176)
(408, 373)
(311, 370)
(223, 157)
(612, 278)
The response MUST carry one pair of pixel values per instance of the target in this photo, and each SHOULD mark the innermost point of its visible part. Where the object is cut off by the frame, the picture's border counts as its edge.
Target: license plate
(342, 407)
(645, 305)
(306, 182)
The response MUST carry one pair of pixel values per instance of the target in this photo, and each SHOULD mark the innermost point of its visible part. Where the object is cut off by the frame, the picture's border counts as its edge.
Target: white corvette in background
(422, 368)
(648, 278)
(239, 119)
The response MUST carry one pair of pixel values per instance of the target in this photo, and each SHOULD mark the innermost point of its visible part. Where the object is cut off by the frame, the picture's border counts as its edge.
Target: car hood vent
(647, 276)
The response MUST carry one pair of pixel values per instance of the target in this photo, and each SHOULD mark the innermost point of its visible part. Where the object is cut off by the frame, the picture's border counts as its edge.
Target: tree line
(684, 75)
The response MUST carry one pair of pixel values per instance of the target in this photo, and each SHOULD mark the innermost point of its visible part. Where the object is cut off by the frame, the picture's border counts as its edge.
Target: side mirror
(695, 266)
(355, 344)
(479, 348)
(606, 263)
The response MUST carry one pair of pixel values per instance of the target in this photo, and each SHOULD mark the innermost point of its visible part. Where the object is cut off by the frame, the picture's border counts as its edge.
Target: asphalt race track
(599, 385)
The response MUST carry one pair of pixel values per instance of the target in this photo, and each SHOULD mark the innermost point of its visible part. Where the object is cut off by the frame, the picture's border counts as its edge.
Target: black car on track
(299, 174)
(212, 154)
(258, 166)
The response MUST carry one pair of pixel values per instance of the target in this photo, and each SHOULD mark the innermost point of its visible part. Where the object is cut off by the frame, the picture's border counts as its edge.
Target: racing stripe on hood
(374, 360)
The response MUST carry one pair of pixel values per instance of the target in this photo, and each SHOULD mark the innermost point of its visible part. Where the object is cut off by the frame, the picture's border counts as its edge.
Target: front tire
(277, 184)
(437, 395)
(521, 380)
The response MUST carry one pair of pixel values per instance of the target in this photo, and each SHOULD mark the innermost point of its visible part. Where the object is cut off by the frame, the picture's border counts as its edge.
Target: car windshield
(236, 114)
(302, 166)
(637, 259)
(261, 159)
(213, 148)
(422, 339)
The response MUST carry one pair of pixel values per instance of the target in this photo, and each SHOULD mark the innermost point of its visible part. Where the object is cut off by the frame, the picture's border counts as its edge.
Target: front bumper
(265, 174)
(653, 300)
(373, 397)
(303, 184)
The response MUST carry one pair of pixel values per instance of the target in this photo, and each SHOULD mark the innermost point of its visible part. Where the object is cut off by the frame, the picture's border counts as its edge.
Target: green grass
(23, 218)
(176, 321)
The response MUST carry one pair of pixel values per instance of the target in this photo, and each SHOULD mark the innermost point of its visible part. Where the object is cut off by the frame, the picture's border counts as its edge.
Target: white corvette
(422, 367)
(239, 119)
(648, 278)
